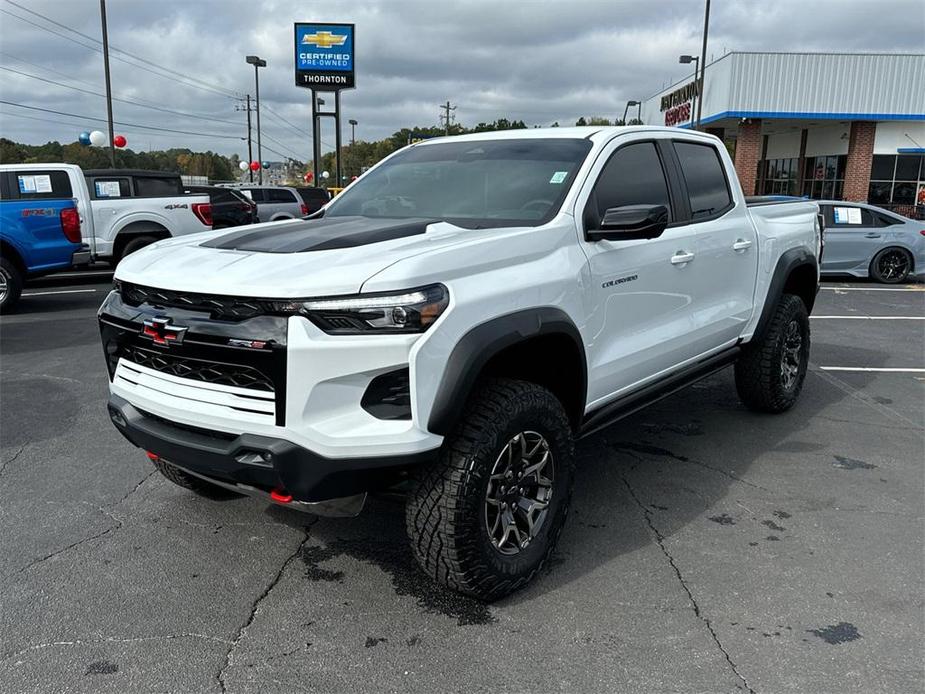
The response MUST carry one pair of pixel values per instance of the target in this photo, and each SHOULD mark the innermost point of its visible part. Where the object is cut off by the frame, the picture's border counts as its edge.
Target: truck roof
(578, 132)
(129, 172)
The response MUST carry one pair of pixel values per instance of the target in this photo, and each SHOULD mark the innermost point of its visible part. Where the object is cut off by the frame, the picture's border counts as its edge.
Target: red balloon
(119, 141)
(308, 177)
(353, 178)
(255, 166)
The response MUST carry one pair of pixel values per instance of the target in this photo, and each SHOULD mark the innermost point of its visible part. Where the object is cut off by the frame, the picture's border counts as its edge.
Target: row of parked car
(57, 216)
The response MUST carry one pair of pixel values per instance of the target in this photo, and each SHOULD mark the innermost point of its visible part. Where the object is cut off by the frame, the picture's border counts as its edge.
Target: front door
(852, 237)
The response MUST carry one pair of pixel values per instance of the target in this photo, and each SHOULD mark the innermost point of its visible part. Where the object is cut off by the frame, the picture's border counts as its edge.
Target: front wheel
(770, 372)
(10, 286)
(891, 265)
(487, 515)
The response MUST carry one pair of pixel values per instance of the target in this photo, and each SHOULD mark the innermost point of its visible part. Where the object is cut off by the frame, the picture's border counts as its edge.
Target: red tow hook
(280, 496)
(153, 457)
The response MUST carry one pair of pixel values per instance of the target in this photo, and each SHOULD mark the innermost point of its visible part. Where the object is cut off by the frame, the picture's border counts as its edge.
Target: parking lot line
(868, 317)
(874, 289)
(876, 369)
(63, 291)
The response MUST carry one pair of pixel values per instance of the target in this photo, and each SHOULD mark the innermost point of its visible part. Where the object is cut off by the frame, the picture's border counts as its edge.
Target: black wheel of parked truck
(10, 286)
(770, 372)
(487, 515)
(194, 484)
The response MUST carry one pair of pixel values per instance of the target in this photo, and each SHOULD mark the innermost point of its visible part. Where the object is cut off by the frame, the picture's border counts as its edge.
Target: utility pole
(703, 60)
(112, 147)
(447, 116)
(257, 63)
(250, 153)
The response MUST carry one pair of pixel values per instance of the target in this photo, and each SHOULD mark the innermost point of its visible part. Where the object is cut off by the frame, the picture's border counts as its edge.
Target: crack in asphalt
(118, 524)
(10, 460)
(627, 446)
(109, 639)
(255, 605)
(660, 541)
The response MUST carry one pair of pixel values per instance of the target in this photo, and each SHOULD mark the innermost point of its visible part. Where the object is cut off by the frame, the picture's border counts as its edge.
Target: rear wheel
(136, 244)
(770, 372)
(891, 265)
(485, 518)
(10, 286)
(194, 484)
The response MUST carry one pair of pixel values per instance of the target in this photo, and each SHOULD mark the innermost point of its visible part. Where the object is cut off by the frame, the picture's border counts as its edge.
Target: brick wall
(860, 158)
(748, 154)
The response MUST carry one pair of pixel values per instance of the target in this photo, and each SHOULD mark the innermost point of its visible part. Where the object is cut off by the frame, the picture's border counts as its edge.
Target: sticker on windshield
(558, 177)
(108, 189)
(35, 184)
(847, 215)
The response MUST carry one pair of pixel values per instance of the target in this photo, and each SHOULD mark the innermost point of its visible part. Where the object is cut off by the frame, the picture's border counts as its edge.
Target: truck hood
(288, 259)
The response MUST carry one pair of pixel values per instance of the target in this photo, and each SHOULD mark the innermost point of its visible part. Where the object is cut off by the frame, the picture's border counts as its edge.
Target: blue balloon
(84, 138)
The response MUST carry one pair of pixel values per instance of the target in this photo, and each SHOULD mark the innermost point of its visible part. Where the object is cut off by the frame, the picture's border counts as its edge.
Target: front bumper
(259, 463)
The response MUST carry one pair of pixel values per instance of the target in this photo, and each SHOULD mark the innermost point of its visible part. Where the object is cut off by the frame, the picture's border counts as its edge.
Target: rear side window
(38, 185)
(279, 195)
(633, 176)
(105, 188)
(149, 187)
(255, 194)
(703, 173)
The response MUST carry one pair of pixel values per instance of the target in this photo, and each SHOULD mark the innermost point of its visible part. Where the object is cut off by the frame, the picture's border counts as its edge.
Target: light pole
(687, 60)
(112, 146)
(626, 110)
(353, 140)
(703, 59)
(257, 63)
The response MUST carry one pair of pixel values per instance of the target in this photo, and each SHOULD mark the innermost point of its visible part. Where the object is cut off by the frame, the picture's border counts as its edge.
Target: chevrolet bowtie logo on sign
(162, 333)
(324, 56)
(324, 39)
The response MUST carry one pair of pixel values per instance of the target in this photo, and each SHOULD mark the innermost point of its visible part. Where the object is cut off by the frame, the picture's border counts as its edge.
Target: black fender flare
(788, 262)
(481, 343)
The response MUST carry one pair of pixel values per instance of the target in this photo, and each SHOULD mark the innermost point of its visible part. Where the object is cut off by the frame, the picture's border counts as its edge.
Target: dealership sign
(680, 95)
(324, 56)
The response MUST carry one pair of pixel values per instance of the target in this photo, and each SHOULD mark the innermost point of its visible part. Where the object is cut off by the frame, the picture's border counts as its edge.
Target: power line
(130, 125)
(174, 78)
(124, 101)
(119, 50)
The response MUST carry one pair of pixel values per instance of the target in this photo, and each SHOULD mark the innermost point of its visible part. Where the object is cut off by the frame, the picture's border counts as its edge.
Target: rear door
(852, 237)
(726, 245)
(641, 293)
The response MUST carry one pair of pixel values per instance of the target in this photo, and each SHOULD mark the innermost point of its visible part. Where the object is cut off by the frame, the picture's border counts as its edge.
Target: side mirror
(631, 222)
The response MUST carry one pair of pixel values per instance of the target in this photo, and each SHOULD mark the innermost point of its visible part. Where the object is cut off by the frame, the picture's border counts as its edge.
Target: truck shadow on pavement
(638, 482)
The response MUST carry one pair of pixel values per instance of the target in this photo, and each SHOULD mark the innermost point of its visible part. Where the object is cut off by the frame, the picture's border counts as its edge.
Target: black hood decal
(323, 234)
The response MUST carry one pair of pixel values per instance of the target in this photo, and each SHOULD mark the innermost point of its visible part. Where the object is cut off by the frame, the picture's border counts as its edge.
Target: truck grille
(198, 370)
(223, 307)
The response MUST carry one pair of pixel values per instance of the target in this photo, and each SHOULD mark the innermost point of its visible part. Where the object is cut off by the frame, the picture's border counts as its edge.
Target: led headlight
(411, 311)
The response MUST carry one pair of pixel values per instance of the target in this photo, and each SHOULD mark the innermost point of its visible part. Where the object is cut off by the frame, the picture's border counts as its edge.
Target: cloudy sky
(540, 61)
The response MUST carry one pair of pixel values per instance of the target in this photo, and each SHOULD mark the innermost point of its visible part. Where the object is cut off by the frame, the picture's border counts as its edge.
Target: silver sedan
(867, 241)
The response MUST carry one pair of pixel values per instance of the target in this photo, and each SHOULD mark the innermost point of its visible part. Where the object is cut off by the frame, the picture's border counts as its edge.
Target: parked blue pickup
(39, 232)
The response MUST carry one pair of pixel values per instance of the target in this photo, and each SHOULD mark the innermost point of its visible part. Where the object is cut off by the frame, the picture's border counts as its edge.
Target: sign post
(324, 62)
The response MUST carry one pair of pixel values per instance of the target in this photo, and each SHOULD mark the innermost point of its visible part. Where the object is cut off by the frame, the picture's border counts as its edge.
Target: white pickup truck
(124, 210)
(456, 319)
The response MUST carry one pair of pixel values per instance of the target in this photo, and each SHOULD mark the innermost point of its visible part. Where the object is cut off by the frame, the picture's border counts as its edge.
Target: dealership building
(823, 125)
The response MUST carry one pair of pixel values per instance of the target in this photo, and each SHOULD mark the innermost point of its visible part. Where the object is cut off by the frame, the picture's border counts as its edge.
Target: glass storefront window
(780, 177)
(895, 178)
(824, 177)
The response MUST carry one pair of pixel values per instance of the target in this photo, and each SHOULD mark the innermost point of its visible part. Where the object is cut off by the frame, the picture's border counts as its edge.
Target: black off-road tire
(897, 276)
(445, 511)
(14, 281)
(136, 244)
(194, 484)
(759, 376)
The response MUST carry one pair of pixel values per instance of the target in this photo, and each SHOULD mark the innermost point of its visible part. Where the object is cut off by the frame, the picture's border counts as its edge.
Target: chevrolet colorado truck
(122, 210)
(453, 322)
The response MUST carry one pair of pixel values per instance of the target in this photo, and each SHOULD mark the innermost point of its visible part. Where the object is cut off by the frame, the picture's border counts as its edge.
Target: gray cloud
(536, 61)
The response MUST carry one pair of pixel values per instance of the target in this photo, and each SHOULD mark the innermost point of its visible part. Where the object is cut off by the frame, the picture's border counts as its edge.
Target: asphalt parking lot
(710, 549)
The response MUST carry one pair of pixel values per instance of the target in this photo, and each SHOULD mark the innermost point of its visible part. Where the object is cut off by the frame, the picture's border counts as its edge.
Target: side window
(885, 220)
(105, 188)
(706, 182)
(149, 187)
(279, 195)
(846, 217)
(633, 176)
(255, 194)
(39, 185)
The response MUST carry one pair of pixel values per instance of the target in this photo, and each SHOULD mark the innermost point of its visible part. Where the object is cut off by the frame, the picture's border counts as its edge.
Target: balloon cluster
(97, 138)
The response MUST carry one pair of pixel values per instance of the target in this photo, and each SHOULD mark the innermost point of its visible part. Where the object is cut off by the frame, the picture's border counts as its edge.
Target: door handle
(741, 245)
(681, 257)
(871, 236)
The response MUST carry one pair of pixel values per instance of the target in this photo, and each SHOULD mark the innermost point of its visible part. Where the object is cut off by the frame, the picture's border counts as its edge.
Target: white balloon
(324, 174)
(243, 166)
(97, 138)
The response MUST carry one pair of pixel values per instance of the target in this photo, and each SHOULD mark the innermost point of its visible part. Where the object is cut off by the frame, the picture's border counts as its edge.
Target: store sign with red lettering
(678, 114)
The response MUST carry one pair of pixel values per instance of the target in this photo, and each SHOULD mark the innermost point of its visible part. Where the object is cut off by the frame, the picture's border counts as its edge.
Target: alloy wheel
(893, 265)
(519, 491)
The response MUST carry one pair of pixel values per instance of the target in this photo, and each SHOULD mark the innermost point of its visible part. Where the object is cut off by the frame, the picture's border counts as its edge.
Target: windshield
(474, 184)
